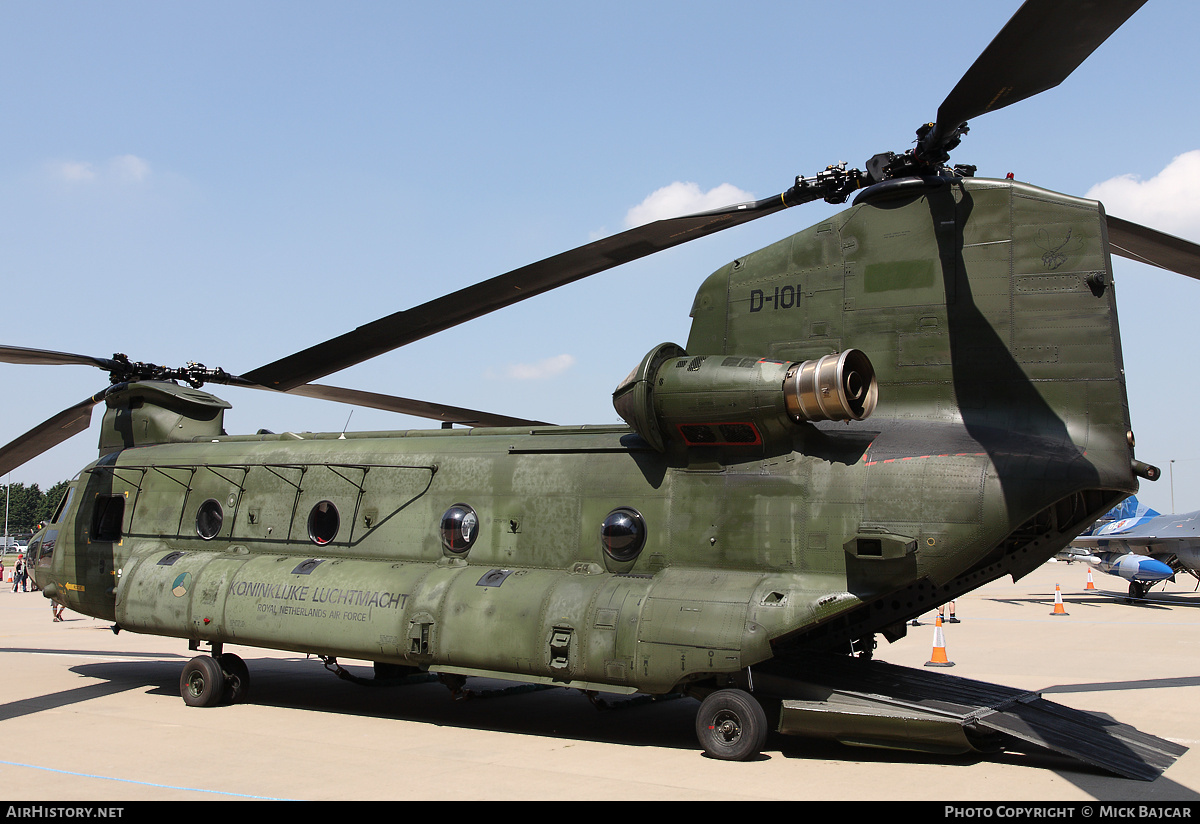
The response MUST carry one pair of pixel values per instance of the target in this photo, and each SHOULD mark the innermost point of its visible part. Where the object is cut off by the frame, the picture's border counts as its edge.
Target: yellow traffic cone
(1058, 602)
(938, 658)
(1090, 584)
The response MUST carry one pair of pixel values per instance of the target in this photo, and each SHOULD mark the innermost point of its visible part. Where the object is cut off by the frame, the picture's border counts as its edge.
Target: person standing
(942, 611)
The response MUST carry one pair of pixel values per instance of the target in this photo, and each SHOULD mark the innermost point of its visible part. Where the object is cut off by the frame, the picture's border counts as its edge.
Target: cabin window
(623, 534)
(323, 523)
(209, 519)
(460, 528)
(107, 517)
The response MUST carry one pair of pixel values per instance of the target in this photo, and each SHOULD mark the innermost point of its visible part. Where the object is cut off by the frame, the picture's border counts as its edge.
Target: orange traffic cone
(1058, 604)
(938, 658)
(1090, 584)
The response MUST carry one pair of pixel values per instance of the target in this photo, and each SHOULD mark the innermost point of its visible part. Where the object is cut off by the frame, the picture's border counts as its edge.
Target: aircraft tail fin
(1131, 507)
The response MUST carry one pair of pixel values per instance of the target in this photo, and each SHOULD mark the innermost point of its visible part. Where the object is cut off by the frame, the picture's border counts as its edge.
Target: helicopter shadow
(1102, 598)
(1107, 686)
(486, 704)
(122, 679)
(557, 713)
(499, 706)
(1157, 600)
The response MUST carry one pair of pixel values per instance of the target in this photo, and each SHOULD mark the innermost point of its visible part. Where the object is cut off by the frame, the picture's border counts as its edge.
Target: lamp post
(1172, 486)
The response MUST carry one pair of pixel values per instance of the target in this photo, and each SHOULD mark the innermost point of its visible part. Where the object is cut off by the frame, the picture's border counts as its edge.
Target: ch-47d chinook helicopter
(882, 412)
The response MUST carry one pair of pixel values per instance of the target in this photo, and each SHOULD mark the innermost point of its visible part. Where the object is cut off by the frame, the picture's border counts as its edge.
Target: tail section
(982, 304)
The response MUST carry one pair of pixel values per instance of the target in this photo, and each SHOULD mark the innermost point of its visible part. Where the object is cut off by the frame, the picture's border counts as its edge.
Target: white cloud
(547, 368)
(125, 169)
(74, 171)
(683, 199)
(1166, 202)
(129, 168)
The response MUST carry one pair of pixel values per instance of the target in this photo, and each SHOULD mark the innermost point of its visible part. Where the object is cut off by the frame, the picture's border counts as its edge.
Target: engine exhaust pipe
(832, 388)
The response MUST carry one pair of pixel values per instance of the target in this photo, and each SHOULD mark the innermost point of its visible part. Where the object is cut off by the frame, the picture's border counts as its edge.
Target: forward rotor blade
(48, 434)
(408, 406)
(439, 314)
(1036, 50)
(1159, 249)
(22, 354)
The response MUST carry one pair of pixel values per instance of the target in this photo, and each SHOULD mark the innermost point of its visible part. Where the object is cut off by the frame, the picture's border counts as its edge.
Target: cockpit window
(43, 553)
(63, 505)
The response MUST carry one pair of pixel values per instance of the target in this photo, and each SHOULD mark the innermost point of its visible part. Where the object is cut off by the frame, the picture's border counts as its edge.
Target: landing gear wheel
(1138, 590)
(731, 725)
(202, 683)
(237, 677)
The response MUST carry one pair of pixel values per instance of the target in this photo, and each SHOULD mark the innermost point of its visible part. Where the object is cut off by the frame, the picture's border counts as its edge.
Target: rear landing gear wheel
(237, 677)
(731, 725)
(202, 683)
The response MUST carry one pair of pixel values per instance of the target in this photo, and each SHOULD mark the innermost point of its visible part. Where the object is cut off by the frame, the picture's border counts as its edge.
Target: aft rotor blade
(442, 313)
(1151, 246)
(48, 434)
(1036, 50)
(408, 406)
(22, 354)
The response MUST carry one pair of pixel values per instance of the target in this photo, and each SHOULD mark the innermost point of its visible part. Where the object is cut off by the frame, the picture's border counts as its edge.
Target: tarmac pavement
(87, 715)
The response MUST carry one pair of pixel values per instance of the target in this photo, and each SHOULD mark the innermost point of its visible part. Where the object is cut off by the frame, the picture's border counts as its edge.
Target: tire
(237, 678)
(202, 683)
(731, 725)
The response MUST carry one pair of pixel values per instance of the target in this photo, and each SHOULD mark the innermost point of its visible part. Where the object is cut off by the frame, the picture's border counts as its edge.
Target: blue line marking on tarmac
(143, 783)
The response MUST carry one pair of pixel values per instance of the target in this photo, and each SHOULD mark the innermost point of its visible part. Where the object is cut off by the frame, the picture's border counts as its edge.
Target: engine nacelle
(152, 412)
(734, 401)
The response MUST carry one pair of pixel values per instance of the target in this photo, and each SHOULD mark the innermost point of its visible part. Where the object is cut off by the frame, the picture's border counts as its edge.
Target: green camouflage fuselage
(987, 310)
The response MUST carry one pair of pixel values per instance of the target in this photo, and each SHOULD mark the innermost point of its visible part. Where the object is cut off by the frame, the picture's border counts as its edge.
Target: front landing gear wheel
(237, 677)
(202, 683)
(731, 725)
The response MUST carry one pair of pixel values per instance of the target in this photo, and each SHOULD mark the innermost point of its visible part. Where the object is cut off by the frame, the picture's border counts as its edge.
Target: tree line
(27, 506)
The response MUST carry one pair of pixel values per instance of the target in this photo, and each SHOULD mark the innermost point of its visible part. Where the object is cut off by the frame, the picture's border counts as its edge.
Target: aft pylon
(1090, 584)
(939, 659)
(1058, 602)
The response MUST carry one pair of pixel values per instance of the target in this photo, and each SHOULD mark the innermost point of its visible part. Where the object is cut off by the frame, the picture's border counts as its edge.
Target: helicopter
(870, 417)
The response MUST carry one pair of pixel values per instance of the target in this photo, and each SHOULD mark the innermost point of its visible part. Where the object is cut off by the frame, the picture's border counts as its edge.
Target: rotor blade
(22, 354)
(410, 325)
(1036, 50)
(1159, 249)
(48, 434)
(408, 406)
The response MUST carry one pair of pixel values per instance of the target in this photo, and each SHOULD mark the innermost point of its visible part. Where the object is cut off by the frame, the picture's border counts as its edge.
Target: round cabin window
(209, 519)
(460, 528)
(323, 523)
(623, 534)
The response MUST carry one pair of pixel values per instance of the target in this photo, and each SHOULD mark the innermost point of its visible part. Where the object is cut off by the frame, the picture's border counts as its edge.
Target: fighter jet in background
(1142, 546)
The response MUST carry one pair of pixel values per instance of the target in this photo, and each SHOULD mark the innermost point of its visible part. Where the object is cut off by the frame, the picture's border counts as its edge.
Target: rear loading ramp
(868, 703)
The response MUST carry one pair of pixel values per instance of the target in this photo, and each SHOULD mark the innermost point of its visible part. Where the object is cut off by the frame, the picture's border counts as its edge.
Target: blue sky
(232, 182)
